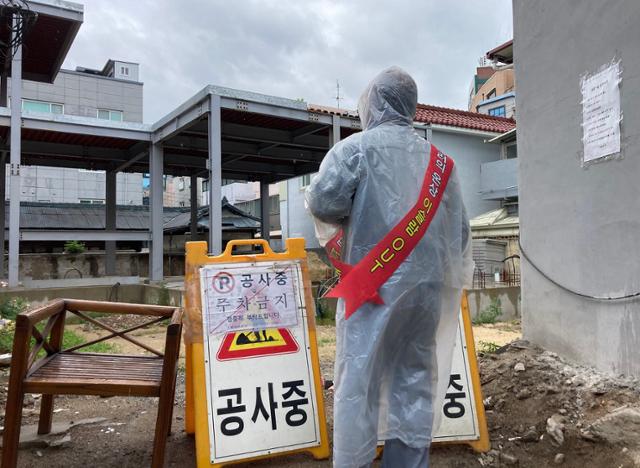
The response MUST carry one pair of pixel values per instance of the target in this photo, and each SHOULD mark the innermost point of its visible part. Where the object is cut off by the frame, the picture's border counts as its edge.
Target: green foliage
(489, 314)
(71, 338)
(487, 347)
(10, 308)
(6, 337)
(325, 311)
(74, 247)
(326, 341)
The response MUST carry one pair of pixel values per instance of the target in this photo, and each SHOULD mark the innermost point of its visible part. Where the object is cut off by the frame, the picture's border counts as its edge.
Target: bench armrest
(118, 308)
(34, 316)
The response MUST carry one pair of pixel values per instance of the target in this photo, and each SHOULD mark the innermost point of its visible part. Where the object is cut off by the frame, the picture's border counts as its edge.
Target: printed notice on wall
(601, 113)
(256, 297)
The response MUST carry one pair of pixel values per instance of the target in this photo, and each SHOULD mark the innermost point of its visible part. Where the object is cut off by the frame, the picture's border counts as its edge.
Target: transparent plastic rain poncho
(393, 360)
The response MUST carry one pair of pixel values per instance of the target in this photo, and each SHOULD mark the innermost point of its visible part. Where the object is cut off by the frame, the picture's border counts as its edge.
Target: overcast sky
(294, 49)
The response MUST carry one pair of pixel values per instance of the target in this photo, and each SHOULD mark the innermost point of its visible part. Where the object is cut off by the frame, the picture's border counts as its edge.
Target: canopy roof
(48, 40)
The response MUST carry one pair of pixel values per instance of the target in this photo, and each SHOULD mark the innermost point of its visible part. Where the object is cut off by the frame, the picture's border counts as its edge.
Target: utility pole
(338, 97)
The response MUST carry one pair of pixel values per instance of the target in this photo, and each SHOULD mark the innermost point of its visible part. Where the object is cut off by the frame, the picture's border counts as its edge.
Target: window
(91, 201)
(205, 185)
(491, 94)
(498, 111)
(306, 179)
(124, 71)
(113, 115)
(512, 151)
(42, 107)
(181, 184)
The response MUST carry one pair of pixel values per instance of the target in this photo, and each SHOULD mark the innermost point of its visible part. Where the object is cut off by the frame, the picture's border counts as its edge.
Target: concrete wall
(469, 152)
(499, 179)
(136, 293)
(579, 226)
(481, 299)
(51, 266)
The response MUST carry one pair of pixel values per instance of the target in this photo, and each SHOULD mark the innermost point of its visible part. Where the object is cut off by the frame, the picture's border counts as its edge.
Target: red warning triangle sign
(249, 344)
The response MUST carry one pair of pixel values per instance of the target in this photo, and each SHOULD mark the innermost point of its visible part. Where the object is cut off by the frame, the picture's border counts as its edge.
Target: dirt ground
(518, 403)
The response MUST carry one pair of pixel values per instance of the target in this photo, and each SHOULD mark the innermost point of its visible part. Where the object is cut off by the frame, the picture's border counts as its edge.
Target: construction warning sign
(463, 418)
(261, 368)
(248, 344)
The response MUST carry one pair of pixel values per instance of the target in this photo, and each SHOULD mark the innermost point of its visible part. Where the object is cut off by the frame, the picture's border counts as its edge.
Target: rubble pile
(543, 411)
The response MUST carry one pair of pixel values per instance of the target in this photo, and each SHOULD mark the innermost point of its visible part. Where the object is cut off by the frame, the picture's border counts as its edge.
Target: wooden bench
(46, 368)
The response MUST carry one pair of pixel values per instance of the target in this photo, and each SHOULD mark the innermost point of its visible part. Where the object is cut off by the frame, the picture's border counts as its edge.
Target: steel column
(3, 185)
(215, 176)
(335, 130)
(194, 207)
(156, 169)
(265, 230)
(3, 88)
(110, 223)
(14, 197)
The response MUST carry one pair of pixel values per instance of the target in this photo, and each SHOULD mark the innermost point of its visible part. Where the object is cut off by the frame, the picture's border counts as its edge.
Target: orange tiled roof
(458, 118)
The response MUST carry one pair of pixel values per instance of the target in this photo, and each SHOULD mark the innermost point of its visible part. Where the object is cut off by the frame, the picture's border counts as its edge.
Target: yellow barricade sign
(463, 418)
(253, 376)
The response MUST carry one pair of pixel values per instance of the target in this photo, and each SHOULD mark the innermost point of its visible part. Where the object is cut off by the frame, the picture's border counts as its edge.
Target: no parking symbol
(223, 282)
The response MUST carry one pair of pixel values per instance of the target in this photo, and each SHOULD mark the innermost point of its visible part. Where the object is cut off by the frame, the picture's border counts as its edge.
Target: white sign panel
(601, 113)
(248, 299)
(459, 414)
(260, 387)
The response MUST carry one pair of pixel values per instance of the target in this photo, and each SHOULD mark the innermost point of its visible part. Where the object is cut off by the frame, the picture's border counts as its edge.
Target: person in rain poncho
(393, 359)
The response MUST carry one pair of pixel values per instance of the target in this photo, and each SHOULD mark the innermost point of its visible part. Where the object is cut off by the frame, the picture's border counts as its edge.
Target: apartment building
(493, 89)
(112, 93)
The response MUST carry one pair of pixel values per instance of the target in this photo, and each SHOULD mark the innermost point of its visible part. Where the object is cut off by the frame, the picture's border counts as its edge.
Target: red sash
(360, 283)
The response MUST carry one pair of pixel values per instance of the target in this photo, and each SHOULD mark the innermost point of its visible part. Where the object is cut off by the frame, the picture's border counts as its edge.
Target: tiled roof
(331, 110)
(64, 216)
(458, 118)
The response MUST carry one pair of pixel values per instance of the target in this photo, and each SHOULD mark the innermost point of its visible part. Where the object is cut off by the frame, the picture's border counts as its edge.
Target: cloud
(290, 48)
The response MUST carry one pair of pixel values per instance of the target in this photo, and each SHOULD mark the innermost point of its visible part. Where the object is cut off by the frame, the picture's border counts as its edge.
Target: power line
(570, 290)
(18, 29)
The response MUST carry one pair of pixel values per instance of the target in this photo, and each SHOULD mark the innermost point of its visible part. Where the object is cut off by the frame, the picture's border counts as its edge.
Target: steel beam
(275, 111)
(131, 162)
(67, 150)
(156, 170)
(215, 175)
(194, 207)
(15, 150)
(182, 121)
(265, 225)
(247, 148)
(110, 222)
(83, 235)
(78, 126)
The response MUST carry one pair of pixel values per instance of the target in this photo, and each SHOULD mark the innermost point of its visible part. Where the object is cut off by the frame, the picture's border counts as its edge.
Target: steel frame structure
(218, 134)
